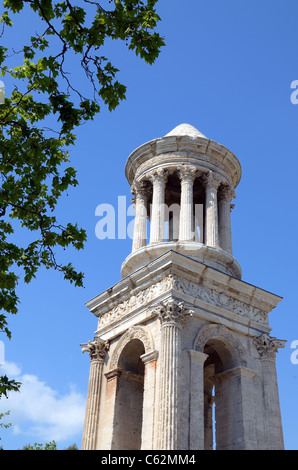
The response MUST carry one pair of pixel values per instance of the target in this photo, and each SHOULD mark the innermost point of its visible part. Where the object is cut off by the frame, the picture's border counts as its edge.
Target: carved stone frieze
(219, 299)
(181, 285)
(136, 300)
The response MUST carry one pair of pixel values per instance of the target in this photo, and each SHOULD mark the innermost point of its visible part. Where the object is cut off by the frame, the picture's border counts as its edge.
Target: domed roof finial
(185, 130)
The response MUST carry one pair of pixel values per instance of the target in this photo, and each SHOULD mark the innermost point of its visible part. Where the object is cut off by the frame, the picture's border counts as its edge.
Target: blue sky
(227, 69)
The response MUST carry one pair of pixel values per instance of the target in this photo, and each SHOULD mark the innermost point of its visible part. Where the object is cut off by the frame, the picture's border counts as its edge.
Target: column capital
(158, 175)
(172, 312)
(140, 188)
(187, 172)
(226, 193)
(267, 346)
(211, 179)
(97, 349)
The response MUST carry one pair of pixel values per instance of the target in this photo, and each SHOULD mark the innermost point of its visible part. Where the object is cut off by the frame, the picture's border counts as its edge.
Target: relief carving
(178, 284)
(172, 311)
(267, 346)
(97, 349)
(219, 299)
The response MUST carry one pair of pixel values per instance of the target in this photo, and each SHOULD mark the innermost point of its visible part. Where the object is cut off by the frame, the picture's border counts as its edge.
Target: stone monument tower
(182, 357)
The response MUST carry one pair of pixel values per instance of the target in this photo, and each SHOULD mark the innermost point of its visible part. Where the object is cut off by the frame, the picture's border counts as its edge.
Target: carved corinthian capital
(96, 349)
(187, 172)
(173, 312)
(227, 193)
(211, 180)
(159, 175)
(140, 188)
(267, 346)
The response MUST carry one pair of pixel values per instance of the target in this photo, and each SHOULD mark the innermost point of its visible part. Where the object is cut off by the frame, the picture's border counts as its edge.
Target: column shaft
(186, 225)
(97, 350)
(211, 222)
(267, 348)
(172, 314)
(140, 227)
(92, 407)
(224, 216)
(273, 424)
(158, 209)
(168, 435)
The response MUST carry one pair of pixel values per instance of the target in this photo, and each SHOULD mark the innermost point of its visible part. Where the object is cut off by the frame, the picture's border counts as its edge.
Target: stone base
(212, 257)
(219, 352)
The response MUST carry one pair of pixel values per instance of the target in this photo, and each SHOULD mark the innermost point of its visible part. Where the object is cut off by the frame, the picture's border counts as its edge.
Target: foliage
(4, 425)
(47, 446)
(7, 385)
(39, 119)
(72, 447)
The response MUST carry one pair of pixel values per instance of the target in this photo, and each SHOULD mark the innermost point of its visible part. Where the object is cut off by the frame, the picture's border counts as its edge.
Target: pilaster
(97, 350)
(267, 348)
(172, 314)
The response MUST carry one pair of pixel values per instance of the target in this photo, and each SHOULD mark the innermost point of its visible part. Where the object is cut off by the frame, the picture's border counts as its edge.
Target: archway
(223, 407)
(128, 418)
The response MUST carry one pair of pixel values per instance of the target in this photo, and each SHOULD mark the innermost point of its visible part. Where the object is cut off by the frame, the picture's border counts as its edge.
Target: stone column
(211, 223)
(149, 359)
(267, 347)
(226, 195)
(97, 350)
(186, 224)
(158, 178)
(196, 409)
(140, 191)
(172, 315)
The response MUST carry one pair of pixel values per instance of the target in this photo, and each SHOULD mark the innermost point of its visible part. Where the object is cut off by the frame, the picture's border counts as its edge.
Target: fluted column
(158, 178)
(186, 224)
(140, 191)
(97, 350)
(211, 223)
(267, 347)
(172, 315)
(224, 216)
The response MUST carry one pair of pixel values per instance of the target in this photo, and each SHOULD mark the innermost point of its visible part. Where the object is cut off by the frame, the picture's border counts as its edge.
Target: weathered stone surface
(181, 334)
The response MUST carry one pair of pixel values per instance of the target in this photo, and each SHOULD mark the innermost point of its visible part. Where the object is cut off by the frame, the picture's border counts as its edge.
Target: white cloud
(40, 413)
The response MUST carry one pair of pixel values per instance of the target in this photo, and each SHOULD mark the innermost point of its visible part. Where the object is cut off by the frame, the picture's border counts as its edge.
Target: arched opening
(222, 406)
(128, 417)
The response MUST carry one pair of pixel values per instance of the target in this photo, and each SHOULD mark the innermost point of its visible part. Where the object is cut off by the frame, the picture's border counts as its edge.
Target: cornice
(195, 150)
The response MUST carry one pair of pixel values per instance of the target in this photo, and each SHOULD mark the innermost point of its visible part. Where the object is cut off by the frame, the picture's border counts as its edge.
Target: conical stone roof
(185, 130)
